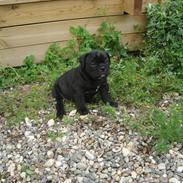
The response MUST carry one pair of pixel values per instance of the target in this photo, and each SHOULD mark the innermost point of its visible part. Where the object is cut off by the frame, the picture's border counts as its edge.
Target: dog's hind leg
(59, 101)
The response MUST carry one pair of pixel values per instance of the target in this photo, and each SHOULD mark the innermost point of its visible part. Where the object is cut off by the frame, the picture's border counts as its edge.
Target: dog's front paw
(113, 104)
(60, 115)
(83, 111)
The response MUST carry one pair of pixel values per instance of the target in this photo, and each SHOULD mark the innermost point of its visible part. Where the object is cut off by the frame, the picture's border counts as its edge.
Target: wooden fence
(28, 27)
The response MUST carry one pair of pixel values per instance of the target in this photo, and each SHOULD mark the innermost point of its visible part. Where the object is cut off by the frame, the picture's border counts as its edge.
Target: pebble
(174, 180)
(68, 181)
(23, 175)
(11, 168)
(125, 152)
(72, 113)
(49, 163)
(19, 146)
(89, 155)
(58, 164)
(126, 180)
(51, 122)
(161, 166)
(50, 154)
(134, 175)
(180, 169)
(96, 150)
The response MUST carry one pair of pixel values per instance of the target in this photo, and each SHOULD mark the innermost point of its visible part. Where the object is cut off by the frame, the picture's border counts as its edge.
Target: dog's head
(95, 64)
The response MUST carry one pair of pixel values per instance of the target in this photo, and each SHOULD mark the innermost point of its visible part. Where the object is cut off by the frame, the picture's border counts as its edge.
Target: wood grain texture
(59, 31)
(15, 56)
(132, 7)
(46, 11)
(6, 2)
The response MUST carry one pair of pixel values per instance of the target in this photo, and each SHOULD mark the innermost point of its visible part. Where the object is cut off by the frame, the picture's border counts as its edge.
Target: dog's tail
(57, 95)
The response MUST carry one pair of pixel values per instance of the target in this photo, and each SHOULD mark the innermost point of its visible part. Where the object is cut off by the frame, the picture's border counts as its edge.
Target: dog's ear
(82, 60)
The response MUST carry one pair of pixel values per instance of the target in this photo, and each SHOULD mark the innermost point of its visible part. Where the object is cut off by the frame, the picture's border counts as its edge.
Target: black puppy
(82, 83)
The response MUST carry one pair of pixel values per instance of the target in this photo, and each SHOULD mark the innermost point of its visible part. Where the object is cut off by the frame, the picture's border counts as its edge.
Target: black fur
(82, 83)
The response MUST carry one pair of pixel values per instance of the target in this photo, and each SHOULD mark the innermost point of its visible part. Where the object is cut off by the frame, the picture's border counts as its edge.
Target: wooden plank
(132, 7)
(20, 14)
(5, 2)
(146, 2)
(133, 41)
(59, 31)
(15, 56)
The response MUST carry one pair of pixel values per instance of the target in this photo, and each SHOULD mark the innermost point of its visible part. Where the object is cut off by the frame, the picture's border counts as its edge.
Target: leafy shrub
(107, 38)
(110, 40)
(164, 37)
(138, 81)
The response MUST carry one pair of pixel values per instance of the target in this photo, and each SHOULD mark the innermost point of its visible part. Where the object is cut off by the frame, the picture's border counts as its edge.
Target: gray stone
(174, 180)
(89, 155)
(49, 163)
(180, 169)
(161, 166)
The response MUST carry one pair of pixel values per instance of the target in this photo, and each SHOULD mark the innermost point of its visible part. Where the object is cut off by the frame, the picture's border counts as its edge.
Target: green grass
(53, 135)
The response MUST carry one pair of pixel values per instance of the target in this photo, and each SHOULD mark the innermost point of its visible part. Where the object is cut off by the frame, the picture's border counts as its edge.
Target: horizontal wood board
(28, 27)
(15, 56)
(59, 31)
(7, 2)
(47, 11)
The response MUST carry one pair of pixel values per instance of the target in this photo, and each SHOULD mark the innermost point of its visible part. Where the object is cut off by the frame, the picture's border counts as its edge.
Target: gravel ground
(92, 150)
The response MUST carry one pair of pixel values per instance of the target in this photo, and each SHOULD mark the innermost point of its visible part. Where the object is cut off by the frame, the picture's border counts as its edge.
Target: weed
(53, 135)
(166, 128)
(109, 111)
(27, 169)
(68, 120)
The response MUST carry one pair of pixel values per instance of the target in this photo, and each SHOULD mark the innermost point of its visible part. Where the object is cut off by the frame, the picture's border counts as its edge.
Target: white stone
(125, 152)
(23, 175)
(89, 155)
(161, 166)
(152, 160)
(49, 163)
(134, 174)
(180, 169)
(95, 111)
(68, 181)
(116, 149)
(28, 122)
(30, 137)
(125, 180)
(49, 177)
(50, 154)
(27, 133)
(83, 117)
(51, 122)
(130, 146)
(58, 164)
(11, 169)
(60, 158)
(19, 146)
(72, 113)
(174, 180)
(80, 179)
